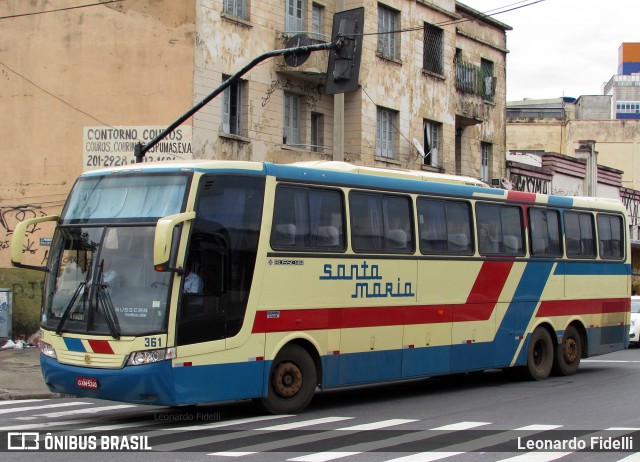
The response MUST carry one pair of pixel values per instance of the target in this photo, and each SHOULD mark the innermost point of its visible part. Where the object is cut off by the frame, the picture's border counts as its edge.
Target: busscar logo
(23, 441)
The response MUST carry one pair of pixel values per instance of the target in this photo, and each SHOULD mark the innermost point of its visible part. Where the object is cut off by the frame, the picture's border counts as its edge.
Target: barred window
(433, 59)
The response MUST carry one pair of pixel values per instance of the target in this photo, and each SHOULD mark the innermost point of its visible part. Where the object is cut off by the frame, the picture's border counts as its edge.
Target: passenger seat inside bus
(285, 235)
(328, 236)
(397, 239)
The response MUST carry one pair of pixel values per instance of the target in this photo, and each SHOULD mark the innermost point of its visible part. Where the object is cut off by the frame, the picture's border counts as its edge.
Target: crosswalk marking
(315, 438)
(5, 403)
(537, 457)
(228, 423)
(45, 406)
(318, 436)
(92, 410)
(461, 426)
(324, 456)
(377, 425)
(41, 425)
(304, 423)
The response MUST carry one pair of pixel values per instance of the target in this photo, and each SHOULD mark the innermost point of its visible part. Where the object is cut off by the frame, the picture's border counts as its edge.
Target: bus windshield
(102, 281)
(127, 197)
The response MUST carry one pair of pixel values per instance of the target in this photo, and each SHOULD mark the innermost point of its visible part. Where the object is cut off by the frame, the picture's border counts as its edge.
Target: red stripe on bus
(485, 292)
(101, 346)
(352, 318)
(592, 306)
(521, 196)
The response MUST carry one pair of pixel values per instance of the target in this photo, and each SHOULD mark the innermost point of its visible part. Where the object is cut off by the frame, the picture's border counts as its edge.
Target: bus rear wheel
(292, 381)
(539, 355)
(569, 353)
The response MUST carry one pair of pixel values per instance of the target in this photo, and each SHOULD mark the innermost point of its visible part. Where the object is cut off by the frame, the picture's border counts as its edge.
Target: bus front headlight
(47, 350)
(138, 358)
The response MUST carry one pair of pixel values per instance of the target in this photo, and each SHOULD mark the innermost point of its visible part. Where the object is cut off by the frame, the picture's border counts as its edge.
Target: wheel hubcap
(570, 350)
(287, 380)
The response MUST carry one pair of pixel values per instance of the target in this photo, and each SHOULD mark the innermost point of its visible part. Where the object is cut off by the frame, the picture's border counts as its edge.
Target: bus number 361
(153, 342)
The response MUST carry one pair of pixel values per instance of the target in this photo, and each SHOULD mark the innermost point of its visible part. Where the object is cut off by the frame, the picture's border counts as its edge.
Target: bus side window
(500, 230)
(308, 219)
(579, 235)
(444, 226)
(381, 222)
(544, 228)
(610, 236)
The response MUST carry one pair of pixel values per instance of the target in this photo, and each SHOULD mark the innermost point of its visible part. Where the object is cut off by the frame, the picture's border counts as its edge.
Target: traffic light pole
(141, 149)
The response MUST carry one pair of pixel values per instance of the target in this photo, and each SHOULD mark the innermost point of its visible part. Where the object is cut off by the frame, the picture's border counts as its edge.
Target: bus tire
(292, 381)
(569, 353)
(540, 355)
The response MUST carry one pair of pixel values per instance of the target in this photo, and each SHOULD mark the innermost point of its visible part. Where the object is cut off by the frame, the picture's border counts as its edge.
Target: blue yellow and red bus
(204, 281)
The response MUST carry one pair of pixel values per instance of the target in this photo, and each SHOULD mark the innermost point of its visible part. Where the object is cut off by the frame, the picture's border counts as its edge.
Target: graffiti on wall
(529, 184)
(34, 245)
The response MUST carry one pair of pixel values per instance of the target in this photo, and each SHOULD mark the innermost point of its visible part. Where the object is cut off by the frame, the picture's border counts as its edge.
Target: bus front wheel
(569, 353)
(539, 355)
(292, 381)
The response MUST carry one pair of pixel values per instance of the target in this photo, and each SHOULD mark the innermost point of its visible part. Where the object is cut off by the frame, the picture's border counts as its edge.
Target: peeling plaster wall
(225, 44)
(128, 63)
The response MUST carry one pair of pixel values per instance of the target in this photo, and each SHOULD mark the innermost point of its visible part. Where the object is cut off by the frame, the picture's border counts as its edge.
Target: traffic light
(343, 68)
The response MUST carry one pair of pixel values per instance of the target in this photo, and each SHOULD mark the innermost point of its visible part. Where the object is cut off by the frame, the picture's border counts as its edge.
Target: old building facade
(83, 85)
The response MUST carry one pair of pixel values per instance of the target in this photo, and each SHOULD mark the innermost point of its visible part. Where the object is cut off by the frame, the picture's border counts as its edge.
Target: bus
(207, 281)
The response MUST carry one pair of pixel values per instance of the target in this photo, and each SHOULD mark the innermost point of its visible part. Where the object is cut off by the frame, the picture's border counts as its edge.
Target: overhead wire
(34, 13)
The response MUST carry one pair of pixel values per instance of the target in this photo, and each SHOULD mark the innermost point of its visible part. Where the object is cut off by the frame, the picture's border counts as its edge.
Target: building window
(388, 42)
(433, 60)
(294, 16)
(627, 107)
(317, 22)
(237, 8)
(317, 127)
(385, 133)
(291, 119)
(232, 108)
(485, 160)
(488, 79)
(432, 135)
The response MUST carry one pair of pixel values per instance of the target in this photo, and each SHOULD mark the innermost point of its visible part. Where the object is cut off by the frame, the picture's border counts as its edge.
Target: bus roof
(341, 173)
(391, 172)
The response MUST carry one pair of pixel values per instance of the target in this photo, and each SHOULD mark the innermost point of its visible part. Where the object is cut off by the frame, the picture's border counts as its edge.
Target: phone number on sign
(116, 161)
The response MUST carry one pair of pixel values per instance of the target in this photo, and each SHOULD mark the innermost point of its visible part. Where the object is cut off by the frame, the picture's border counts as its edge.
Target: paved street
(485, 417)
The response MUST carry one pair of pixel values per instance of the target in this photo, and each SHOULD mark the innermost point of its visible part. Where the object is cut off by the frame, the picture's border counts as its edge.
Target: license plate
(87, 382)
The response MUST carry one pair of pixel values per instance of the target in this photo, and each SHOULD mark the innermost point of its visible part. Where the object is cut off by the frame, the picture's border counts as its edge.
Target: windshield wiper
(104, 301)
(81, 287)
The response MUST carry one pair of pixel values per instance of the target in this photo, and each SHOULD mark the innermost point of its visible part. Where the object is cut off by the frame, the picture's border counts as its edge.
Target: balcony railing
(471, 79)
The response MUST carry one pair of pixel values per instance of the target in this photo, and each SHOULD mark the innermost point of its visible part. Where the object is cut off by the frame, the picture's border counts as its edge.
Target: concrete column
(587, 151)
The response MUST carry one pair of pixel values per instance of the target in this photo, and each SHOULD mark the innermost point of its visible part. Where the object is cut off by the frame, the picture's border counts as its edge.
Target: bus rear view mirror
(19, 235)
(163, 241)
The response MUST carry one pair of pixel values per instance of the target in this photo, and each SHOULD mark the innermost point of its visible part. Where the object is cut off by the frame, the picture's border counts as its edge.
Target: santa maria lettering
(369, 283)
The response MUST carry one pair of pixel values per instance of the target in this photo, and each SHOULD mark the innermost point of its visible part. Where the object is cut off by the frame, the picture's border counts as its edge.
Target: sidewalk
(20, 376)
